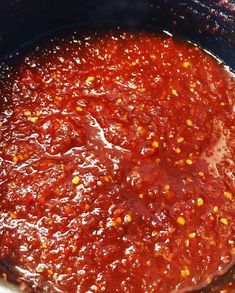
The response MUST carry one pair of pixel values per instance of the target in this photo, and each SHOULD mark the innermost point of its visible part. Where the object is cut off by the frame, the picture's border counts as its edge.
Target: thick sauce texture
(117, 166)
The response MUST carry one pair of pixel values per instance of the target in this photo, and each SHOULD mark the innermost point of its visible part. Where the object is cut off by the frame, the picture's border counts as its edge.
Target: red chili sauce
(117, 166)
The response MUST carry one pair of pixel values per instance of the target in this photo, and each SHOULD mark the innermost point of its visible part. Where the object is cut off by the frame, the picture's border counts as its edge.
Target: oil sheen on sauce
(117, 166)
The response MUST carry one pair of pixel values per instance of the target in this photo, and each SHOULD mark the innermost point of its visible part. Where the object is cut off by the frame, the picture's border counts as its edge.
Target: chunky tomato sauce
(117, 166)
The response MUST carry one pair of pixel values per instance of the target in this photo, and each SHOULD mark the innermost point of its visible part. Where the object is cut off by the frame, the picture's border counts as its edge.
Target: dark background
(210, 23)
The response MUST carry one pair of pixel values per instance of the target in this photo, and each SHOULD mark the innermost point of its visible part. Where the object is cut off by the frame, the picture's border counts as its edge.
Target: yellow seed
(101, 224)
(142, 89)
(233, 251)
(167, 187)
(141, 195)
(180, 139)
(200, 201)
(189, 122)
(13, 215)
(185, 272)
(74, 248)
(118, 220)
(181, 220)
(189, 161)
(119, 101)
(39, 270)
(155, 144)
(192, 85)
(215, 209)
(201, 174)
(27, 113)
(107, 178)
(58, 98)
(128, 218)
(133, 63)
(90, 78)
(87, 206)
(178, 150)
(192, 90)
(179, 163)
(189, 180)
(157, 160)
(50, 272)
(34, 119)
(186, 64)
(15, 159)
(174, 92)
(76, 179)
(228, 195)
(79, 109)
(154, 233)
(192, 235)
(44, 245)
(224, 221)
(112, 223)
(21, 157)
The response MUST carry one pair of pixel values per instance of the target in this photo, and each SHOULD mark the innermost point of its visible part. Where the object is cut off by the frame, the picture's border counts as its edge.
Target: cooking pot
(209, 23)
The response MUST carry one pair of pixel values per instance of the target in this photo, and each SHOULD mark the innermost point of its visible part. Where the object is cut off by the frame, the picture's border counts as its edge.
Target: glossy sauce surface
(117, 166)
